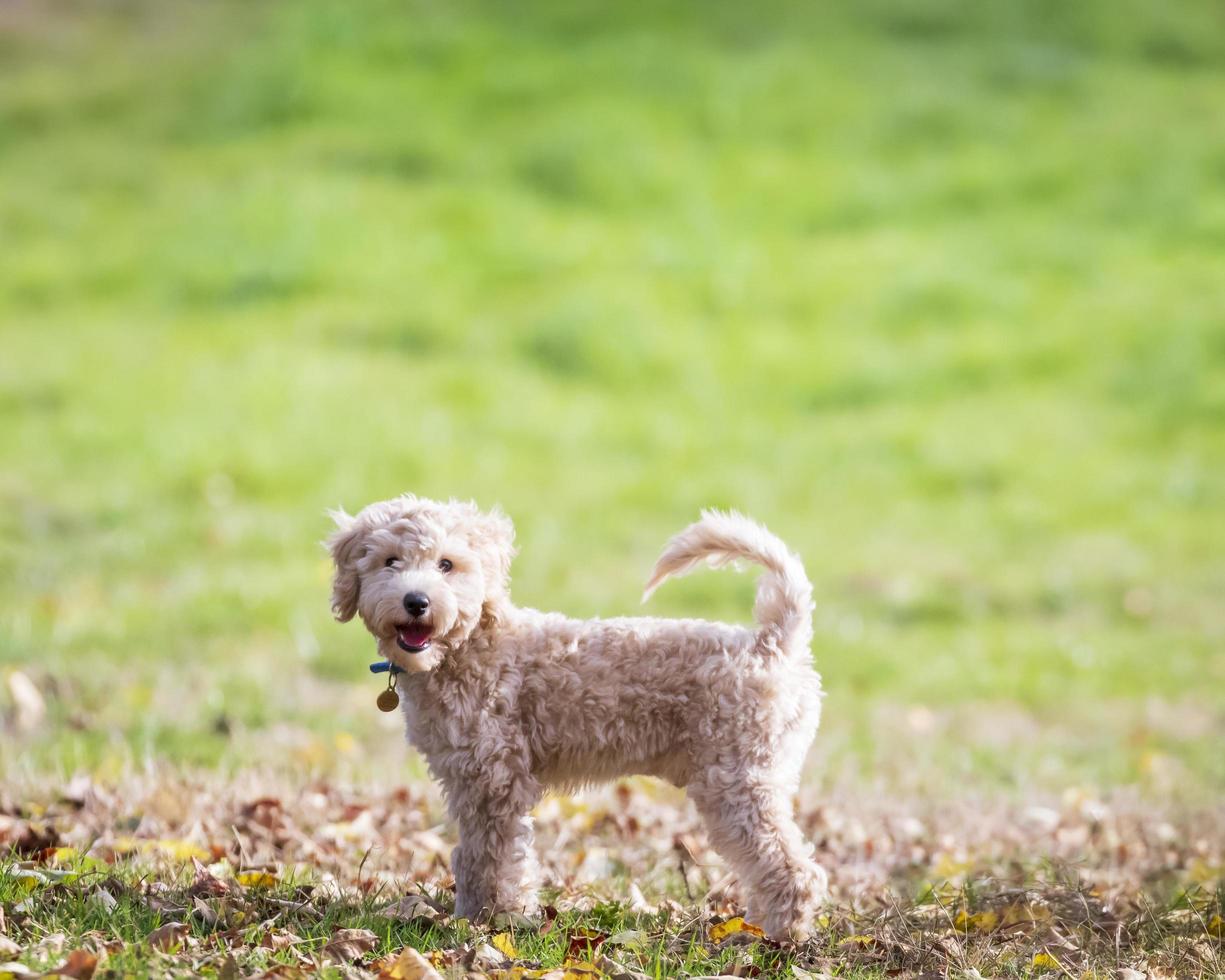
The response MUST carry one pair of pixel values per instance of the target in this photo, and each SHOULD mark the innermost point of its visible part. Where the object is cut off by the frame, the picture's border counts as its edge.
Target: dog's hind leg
(752, 827)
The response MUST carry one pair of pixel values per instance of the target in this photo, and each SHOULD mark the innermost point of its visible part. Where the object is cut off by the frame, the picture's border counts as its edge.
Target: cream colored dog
(505, 702)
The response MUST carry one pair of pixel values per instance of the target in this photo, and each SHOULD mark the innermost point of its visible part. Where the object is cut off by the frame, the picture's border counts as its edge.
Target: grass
(934, 293)
(933, 290)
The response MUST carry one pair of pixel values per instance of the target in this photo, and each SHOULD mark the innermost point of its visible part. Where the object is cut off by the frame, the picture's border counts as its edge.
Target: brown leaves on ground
(1071, 886)
(168, 937)
(349, 945)
(80, 965)
(417, 908)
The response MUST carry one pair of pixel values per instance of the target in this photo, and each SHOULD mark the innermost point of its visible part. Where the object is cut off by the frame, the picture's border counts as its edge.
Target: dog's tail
(784, 594)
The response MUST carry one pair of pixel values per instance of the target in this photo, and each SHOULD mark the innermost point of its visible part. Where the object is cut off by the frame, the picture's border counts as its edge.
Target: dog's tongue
(414, 634)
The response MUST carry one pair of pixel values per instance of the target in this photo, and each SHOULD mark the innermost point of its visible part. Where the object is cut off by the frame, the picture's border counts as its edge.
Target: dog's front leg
(494, 865)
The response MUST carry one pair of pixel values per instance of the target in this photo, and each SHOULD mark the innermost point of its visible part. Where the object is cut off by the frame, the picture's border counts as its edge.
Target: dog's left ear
(493, 536)
(345, 547)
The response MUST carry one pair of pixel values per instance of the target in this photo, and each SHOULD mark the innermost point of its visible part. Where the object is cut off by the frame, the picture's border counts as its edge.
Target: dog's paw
(789, 914)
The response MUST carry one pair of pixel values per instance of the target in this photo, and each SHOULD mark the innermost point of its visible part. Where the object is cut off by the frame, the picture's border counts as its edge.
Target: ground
(166, 875)
(933, 292)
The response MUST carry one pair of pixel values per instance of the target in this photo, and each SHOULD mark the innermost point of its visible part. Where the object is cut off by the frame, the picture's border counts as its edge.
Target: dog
(505, 702)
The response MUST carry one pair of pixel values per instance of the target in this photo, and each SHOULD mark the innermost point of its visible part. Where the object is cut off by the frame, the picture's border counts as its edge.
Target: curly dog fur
(505, 702)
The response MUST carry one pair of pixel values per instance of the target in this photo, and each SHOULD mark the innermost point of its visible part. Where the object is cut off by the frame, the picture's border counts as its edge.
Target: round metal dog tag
(388, 700)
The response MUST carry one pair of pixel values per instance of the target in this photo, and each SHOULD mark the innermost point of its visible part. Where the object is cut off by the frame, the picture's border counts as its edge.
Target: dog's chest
(447, 715)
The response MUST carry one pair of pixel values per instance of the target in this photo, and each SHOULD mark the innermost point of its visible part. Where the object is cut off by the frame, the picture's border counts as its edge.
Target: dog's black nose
(416, 603)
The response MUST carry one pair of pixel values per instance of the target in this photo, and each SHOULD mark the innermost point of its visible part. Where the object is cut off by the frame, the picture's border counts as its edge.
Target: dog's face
(422, 575)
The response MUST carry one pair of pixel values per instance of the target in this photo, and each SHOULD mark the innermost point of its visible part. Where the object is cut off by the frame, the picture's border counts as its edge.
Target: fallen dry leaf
(486, 958)
(736, 926)
(80, 965)
(512, 920)
(618, 971)
(580, 970)
(627, 937)
(279, 939)
(348, 945)
(414, 908)
(584, 942)
(283, 971)
(206, 883)
(168, 937)
(174, 848)
(802, 974)
(103, 899)
(978, 921)
(257, 879)
(408, 964)
(205, 913)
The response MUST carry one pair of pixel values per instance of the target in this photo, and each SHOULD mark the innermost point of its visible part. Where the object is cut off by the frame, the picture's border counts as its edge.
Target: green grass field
(936, 291)
(937, 294)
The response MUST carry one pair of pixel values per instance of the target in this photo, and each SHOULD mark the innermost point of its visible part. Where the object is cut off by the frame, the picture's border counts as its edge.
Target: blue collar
(383, 666)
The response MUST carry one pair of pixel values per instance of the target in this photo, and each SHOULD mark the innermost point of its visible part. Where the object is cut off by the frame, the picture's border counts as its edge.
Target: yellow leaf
(977, 921)
(578, 970)
(858, 940)
(733, 927)
(1045, 961)
(257, 879)
(1216, 925)
(1023, 913)
(180, 850)
(408, 965)
(346, 744)
(503, 943)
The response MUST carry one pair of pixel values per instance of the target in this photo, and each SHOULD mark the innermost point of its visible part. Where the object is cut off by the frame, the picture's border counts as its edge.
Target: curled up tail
(784, 595)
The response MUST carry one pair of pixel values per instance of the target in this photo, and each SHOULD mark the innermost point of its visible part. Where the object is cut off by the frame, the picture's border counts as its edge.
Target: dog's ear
(345, 547)
(493, 537)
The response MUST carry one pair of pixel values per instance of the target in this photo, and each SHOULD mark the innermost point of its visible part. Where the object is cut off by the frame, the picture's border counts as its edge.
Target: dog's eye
(445, 565)
(390, 561)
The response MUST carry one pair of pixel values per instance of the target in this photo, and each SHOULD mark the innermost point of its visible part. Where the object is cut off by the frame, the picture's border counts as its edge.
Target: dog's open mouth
(413, 637)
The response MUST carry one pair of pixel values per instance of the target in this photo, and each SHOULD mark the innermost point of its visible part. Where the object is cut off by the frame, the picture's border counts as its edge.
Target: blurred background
(936, 290)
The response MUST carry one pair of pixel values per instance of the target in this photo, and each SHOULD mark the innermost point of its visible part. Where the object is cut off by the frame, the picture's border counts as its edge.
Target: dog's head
(422, 575)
